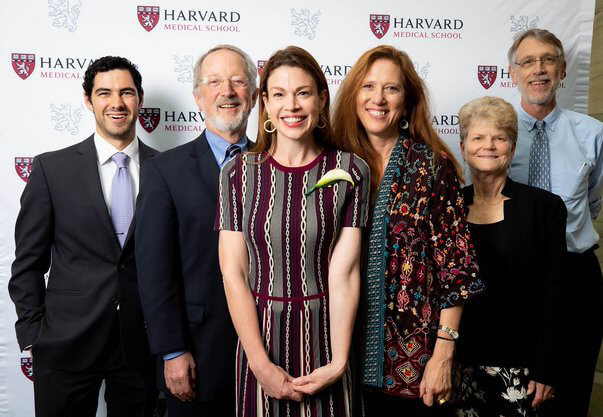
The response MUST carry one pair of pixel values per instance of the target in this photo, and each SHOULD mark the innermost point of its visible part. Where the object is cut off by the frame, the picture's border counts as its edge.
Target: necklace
(502, 197)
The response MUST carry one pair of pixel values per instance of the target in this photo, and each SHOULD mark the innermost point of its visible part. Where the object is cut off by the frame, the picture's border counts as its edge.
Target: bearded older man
(183, 301)
(562, 151)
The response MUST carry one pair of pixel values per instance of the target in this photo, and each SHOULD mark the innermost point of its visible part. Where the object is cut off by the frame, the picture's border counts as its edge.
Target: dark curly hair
(108, 63)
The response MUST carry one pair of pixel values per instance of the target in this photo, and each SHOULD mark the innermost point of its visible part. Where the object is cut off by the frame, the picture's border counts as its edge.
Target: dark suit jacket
(179, 276)
(531, 334)
(64, 221)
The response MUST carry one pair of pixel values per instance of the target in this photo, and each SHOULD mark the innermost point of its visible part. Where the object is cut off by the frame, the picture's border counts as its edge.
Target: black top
(518, 320)
(479, 346)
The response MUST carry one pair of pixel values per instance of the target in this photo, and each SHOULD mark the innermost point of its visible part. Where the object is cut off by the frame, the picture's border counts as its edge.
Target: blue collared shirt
(219, 145)
(576, 144)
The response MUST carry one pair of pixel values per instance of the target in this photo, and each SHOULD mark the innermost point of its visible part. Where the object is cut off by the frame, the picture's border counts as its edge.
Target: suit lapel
(144, 152)
(86, 162)
(204, 166)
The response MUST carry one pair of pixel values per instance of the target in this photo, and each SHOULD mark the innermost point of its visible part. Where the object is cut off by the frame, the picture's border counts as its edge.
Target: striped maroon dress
(289, 239)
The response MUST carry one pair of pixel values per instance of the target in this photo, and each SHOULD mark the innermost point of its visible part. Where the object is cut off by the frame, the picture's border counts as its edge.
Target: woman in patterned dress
(290, 258)
(511, 349)
(420, 265)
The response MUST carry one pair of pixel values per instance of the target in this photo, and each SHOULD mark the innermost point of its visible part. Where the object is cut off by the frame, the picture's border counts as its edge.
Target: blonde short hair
(493, 109)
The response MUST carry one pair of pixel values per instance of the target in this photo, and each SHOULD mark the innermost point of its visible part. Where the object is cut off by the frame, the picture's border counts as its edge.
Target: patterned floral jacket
(420, 261)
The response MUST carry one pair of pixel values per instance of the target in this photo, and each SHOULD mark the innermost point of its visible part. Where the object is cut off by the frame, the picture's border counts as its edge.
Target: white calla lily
(330, 178)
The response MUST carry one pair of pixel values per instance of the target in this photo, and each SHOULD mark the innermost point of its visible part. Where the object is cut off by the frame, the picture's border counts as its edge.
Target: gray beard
(543, 100)
(233, 125)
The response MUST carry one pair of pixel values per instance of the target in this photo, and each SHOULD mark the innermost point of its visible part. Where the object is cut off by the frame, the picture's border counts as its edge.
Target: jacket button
(121, 267)
(115, 300)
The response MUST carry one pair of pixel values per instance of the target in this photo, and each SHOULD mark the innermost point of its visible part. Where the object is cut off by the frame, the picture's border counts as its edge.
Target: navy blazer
(180, 282)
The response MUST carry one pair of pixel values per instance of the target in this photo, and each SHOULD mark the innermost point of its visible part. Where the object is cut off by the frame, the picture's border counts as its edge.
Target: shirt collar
(529, 122)
(104, 150)
(219, 145)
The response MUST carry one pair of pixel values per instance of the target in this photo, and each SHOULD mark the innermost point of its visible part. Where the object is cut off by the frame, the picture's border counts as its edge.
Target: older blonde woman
(509, 331)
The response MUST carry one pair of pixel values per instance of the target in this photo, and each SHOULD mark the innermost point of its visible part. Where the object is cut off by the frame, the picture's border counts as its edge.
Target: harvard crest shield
(27, 368)
(149, 118)
(486, 74)
(23, 167)
(23, 64)
(148, 16)
(379, 24)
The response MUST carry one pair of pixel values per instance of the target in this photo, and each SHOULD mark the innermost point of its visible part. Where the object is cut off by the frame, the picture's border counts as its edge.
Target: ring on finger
(441, 400)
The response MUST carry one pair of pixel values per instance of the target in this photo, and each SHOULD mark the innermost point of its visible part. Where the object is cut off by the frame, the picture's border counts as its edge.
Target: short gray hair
(541, 35)
(250, 66)
(495, 110)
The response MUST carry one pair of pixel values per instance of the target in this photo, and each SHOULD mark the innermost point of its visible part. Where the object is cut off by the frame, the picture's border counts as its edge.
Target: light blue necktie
(122, 198)
(539, 174)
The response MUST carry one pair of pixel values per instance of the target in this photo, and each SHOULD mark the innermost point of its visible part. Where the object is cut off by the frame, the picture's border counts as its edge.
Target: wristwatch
(454, 334)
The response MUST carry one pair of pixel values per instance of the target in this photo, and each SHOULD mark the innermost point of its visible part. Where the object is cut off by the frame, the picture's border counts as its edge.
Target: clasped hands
(277, 383)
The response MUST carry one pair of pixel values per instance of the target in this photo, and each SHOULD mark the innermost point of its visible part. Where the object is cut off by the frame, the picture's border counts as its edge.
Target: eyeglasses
(215, 82)
(547, 60)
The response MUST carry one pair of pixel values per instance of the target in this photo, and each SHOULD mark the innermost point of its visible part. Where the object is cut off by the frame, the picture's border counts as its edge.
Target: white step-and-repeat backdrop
(458, 47)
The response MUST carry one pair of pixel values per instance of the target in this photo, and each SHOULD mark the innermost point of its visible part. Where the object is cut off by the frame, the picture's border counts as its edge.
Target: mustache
(228, 101)
(541, 78)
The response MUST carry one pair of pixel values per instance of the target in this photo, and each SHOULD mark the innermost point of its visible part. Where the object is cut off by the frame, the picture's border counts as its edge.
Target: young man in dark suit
(76, 213)
(181, 290)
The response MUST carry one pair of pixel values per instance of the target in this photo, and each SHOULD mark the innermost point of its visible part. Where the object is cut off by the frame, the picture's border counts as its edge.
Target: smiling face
(115, 103)
(293, 103)
(227, 104)
(539, 82)
(487, 149)
(380, 100)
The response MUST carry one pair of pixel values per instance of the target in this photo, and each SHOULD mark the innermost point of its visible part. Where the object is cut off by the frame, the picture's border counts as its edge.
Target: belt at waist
(291, 299)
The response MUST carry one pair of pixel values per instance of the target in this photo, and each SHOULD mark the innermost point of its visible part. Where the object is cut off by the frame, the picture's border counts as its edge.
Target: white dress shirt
(107, 168)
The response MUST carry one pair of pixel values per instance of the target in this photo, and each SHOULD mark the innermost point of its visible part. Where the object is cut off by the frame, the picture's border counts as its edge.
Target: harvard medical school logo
(23, 64)
(188, 20)
(261, 64)
(486, 74)
(379, 24)
(149, 118)
(71, 67)
(27, 368)
(23, 168)
(446, 124)
(416, 27)
(148, 16)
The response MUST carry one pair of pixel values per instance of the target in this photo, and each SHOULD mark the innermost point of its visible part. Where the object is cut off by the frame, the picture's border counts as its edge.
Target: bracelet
(454, 334)
(445, 338)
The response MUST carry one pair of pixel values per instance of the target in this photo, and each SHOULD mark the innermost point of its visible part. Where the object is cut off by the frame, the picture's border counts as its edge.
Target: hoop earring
(266, 129)
(403, 124)
(323, 119)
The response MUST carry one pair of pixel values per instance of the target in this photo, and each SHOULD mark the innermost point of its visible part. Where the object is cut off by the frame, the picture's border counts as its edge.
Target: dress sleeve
(453, 254)
(356, 208)
(229, 211)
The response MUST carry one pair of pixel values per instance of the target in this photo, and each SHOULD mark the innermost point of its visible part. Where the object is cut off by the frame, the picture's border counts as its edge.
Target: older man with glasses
(562, 151)
(183, 300)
